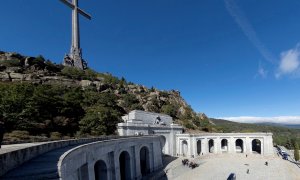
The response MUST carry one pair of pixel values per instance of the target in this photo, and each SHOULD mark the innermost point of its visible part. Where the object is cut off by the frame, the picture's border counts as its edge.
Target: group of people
(192, 165)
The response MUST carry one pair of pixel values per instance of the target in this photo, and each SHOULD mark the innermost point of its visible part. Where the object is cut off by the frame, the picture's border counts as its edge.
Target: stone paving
(219, 167)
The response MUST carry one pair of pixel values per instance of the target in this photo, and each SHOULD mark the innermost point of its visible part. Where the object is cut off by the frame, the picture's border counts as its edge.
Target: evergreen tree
(296, 152)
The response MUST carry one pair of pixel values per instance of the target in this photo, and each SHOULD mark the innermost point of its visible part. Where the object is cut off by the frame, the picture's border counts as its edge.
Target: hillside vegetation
(40, 98)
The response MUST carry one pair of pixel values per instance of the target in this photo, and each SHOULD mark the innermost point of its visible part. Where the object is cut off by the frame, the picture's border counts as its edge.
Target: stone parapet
(14, 158)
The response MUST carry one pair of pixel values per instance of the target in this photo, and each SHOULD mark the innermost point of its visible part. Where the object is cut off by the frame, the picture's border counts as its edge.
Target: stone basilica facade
(176, 143)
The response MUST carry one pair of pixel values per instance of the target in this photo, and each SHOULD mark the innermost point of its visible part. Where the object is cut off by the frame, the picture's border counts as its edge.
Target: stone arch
(100, 170)
(199, 150)
(125, 166)
(256, 146)
(224, 145)
(211, 146)
(184, 147)
(239, 146)
(144, 160)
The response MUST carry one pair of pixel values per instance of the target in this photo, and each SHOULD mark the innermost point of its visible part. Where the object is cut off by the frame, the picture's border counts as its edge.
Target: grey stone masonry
(191, 145)
(148, 123)
(137, 116)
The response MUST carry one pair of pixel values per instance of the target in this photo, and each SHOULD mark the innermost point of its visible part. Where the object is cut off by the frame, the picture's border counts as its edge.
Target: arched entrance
(224, 145)
(125, 171)
(198, 147)
(144, 161)
(100, 170)
(239, 146)
(256, 146)
(184, 147)
(211, 146)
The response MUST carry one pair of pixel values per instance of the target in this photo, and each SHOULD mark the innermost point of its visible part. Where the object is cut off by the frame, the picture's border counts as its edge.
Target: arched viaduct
(128, 158)
(116, 158)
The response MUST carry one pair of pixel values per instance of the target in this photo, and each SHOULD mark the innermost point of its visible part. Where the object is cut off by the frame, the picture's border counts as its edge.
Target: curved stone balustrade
(126, 158)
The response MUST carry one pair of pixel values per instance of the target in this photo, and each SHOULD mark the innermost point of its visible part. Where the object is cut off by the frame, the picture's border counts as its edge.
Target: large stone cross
(75, 57)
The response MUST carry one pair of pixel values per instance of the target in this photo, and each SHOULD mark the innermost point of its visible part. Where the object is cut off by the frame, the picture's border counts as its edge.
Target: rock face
(17, 68)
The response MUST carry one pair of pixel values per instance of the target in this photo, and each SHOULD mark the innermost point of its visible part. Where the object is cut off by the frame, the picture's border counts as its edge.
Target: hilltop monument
(75, 59)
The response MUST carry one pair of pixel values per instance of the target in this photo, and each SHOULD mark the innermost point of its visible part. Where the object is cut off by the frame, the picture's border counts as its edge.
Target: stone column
(248, 145)
(191, 147)
(111, 171)
(91, 170)
(231, 145)
(91, 163)
(244, 145)
(217, 144)
(204, 144)
(136, 160)
(133, 160)
(117, 166)
(157, 156)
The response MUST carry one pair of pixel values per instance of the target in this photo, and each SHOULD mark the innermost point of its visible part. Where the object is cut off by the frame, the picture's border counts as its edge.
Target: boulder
(85, 83)
(18, 76)
(4, 76)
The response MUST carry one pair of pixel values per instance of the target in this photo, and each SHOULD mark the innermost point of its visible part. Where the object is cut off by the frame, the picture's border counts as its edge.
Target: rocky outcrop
(18, 68)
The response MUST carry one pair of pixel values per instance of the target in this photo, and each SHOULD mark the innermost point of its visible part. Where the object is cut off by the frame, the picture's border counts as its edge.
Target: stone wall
(82, 161)
(137, 116)
(13, 159)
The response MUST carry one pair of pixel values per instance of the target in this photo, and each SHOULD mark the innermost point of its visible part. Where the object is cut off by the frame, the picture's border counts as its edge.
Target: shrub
(18, 135)
(90, 74)
(170, 110)
(55, 135)
(53, 67)
(11, 63)
(72, 72)
(129, 102)
(188, 125)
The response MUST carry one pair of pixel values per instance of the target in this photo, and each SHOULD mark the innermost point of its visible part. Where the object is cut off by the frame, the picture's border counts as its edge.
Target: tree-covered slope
(43, 98)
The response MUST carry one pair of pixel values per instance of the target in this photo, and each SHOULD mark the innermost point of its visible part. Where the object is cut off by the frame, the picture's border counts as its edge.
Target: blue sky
(228, 58)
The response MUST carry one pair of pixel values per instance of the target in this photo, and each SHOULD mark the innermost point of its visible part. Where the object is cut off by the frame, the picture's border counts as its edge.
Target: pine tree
(296, 152)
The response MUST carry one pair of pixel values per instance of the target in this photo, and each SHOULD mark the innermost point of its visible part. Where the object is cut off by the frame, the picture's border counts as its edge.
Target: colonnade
(196, 145)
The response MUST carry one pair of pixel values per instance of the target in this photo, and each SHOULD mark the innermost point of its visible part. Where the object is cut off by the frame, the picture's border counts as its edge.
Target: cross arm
(66, 2)
(84, 14)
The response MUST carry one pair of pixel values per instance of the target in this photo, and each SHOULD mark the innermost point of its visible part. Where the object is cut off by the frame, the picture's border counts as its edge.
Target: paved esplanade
(75, 57)
(220, 166)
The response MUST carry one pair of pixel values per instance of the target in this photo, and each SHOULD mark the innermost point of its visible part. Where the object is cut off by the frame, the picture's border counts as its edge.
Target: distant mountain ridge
(293, 126)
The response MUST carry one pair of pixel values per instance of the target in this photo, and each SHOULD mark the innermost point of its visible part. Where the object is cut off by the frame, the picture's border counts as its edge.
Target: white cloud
(238, 15)
(289, 62)
(254, 119)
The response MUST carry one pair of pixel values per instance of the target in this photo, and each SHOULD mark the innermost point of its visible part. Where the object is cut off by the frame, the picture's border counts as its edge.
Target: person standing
(1, 132)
